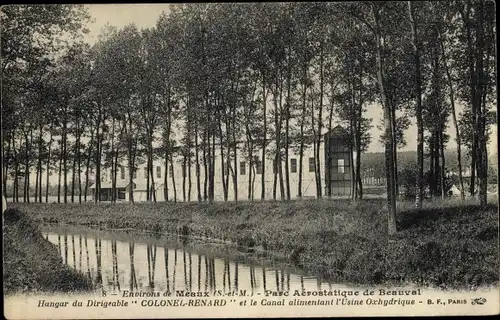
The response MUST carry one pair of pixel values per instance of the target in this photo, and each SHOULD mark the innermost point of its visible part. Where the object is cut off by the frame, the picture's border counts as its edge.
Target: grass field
(447, 244)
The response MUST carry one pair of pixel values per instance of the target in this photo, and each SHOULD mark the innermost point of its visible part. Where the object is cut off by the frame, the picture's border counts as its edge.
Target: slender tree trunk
(148, 170)
(352, 144)
(131, 158)
(277, 127)
(354, 190)
(235, 159)
(97, 159)
(223, 170)
(250, 167)
(389, 143)
(358, 154)
(472, 85)
(6, 162)
(210, 163)
(302, 124)
(65, 159)
(250, 149)
(432, 182)
(212, 185)
(40, 182)
(280, 161)
(197, 163)
(395, 148)
(168, 150)
(113, 181)
(222, 159)
(115, 163)
(481, 109)
(437, 167)
(189, 165)
(16, 168)
(328, 157)
(87, 169)
(205, 165)
(454, 115)
(38, 179)
(442, 171)
(27, 168)
(165, 179)
(47, 183)
(153, 186)
(264, 142)
(79, 156)
(275, 177)
(184, 160)
(73, 175)
(358, 172)
(420, 124)
(287, 122)
(60, 175)
(320, 126)
(37, 174)
(173, 177)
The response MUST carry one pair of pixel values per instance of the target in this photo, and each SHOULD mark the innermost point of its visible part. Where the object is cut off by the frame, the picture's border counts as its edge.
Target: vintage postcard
(285, 159)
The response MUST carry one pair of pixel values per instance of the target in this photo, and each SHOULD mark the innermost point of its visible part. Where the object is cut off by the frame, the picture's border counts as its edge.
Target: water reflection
(117, 264)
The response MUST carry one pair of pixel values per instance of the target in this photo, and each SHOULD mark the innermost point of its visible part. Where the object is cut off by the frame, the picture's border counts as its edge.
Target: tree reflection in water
(229, 272)
(213, 273)
(133, 278)
(74, 251)
(264, 282)
(206, 272)
(66, 248)
(277, 280)
(59, 244)
(115, 273)
(186, 284)
(88, 258)
(151, 253)
(80, 252)
(236, 275)
(175, 268)
(199, 272)
(98, 247)
(165, 254)
(190, 272)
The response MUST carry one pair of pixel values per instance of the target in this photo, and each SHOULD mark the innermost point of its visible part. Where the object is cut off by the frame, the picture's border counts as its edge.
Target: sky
(146, 15)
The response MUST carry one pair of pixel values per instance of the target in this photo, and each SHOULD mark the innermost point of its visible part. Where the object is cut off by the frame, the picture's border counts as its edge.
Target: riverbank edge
(447, 247)
(31, 263)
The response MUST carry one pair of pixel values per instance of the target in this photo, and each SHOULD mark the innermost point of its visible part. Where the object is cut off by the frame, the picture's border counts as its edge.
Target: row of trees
(262, 78)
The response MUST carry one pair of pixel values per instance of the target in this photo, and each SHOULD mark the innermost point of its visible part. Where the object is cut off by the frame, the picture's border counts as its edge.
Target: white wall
(308, 179)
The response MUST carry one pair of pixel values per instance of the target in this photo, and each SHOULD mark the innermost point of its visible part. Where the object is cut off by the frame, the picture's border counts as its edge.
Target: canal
(119, 260)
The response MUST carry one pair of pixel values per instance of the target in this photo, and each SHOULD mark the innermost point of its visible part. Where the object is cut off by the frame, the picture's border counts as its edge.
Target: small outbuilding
(106, 191)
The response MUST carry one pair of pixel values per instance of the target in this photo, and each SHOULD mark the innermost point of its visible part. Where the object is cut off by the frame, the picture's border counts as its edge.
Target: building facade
(184, 183)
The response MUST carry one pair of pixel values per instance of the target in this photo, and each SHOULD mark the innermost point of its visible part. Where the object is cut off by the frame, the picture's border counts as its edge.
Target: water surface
(117, 261)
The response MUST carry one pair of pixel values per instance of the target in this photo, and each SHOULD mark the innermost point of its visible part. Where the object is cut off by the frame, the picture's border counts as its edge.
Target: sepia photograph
(250, 159)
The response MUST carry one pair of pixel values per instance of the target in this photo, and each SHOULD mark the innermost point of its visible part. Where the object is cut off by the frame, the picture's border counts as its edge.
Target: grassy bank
(31, 263)
(447, 245)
